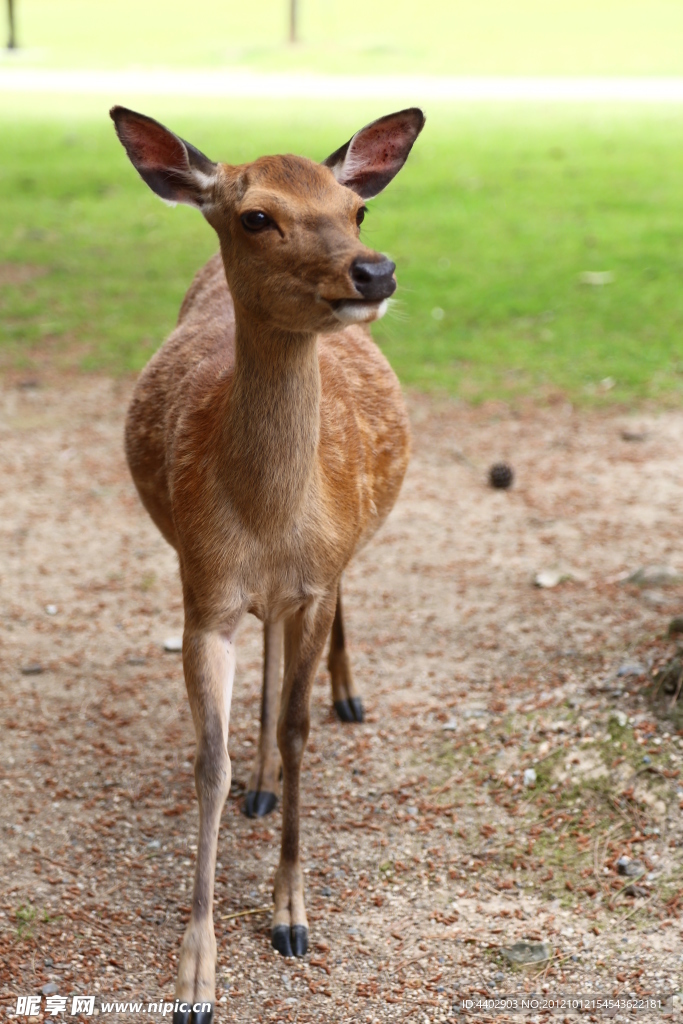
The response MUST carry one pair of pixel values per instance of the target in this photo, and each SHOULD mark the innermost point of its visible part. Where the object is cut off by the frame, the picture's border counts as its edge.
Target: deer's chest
(234, 567)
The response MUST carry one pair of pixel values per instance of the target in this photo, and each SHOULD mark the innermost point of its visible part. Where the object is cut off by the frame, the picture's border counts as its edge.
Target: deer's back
(361, 400)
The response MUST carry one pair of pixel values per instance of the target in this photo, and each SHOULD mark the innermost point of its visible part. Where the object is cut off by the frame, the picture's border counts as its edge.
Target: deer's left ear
(375, 154)
(172, 168)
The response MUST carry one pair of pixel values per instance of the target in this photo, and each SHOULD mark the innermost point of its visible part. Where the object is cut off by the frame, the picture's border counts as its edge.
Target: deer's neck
(272, 422)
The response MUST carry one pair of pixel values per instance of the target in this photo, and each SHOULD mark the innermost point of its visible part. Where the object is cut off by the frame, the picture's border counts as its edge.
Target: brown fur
(268, 443)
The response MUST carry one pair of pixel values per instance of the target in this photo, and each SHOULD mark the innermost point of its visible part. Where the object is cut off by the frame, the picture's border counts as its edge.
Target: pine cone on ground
(501, 475)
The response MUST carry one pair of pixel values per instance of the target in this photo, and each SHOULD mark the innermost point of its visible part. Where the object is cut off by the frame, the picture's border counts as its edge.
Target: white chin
(360, 312)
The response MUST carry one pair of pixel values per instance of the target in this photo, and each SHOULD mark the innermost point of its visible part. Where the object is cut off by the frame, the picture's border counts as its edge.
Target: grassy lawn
(619, 37)
(492, 224)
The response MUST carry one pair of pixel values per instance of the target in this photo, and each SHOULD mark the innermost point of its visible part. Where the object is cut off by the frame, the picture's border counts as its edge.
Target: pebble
(451, 725)
(548, 578)
(51, 609)
(33, 669)
(527, 952)
(634, 435)
(529, 777)
(154, 844)
(631, 668)
(620, 718)
(326, 891)
(49, 989)
(630, 868)
(647, 759)
(654, 576)
(635, 890)
(173, 644)
(136, 661)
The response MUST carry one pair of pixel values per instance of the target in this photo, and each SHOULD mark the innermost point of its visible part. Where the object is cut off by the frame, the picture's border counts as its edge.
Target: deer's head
(288, 227)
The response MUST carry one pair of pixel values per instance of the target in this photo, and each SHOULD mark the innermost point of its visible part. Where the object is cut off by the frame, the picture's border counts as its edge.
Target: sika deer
(268, 440)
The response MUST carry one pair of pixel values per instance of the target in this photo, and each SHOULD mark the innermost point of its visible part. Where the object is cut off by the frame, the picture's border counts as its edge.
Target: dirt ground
(425, 852)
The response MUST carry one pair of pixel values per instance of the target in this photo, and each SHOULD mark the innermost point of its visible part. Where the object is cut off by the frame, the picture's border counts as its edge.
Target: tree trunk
(11, 39)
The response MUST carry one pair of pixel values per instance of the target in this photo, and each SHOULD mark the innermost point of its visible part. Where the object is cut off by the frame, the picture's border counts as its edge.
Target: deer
(268, 439)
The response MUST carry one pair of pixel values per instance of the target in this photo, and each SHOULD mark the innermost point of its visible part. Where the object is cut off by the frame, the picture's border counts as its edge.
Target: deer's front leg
(305, 635)
(209, 664)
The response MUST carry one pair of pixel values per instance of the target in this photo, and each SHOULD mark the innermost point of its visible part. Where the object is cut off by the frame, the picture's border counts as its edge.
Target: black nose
(374, 279)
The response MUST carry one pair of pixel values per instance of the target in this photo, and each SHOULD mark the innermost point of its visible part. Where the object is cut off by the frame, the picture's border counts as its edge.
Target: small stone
(655, 576)
(326, 891)
(154, 844)
(548, 578)
(529, 777)
(635, 890)
(527, 952)
(633, 435)
(620, 718)
(34, 669)
(51, 609)
(499, 976)
(49, 989)
(630, 868)
(136, 661)
(631, 668)
(451, 725)
(173, 644)
(647, 759)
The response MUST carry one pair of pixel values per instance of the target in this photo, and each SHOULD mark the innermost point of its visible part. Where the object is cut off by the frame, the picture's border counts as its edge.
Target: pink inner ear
(381, 147)
(153, 147)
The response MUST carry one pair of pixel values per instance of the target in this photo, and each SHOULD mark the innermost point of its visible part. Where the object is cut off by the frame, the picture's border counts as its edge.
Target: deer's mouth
(358, 311)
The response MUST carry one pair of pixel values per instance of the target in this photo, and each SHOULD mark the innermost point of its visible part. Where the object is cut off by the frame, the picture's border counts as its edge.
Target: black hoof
(356, 705)
(299, 940)
(258, 803)
(203, 1016)
(279, 938)
(350, 710)
(183, 1016)
(344, 712)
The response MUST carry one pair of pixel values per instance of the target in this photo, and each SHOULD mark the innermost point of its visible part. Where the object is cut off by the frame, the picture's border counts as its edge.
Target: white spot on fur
(353, 312)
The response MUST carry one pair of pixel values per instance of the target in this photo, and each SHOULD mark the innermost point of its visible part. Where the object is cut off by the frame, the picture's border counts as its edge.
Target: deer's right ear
(172, 168)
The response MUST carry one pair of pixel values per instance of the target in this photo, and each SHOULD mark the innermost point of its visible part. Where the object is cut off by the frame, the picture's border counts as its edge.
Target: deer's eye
(360, 216)
(255, 220)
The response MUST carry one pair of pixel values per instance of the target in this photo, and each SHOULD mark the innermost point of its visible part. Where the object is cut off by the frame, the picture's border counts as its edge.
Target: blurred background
(538, 240)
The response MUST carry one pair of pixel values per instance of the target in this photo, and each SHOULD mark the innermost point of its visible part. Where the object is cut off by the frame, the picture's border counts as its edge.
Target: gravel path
(425, 852)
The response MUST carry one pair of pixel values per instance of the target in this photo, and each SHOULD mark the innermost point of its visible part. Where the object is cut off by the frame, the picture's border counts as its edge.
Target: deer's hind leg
(347, 701)
(305, 635)
(264, 783)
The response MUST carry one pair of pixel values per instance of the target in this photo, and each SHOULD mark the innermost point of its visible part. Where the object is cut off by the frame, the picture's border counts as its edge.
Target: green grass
(494, 218)
(629, 37)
